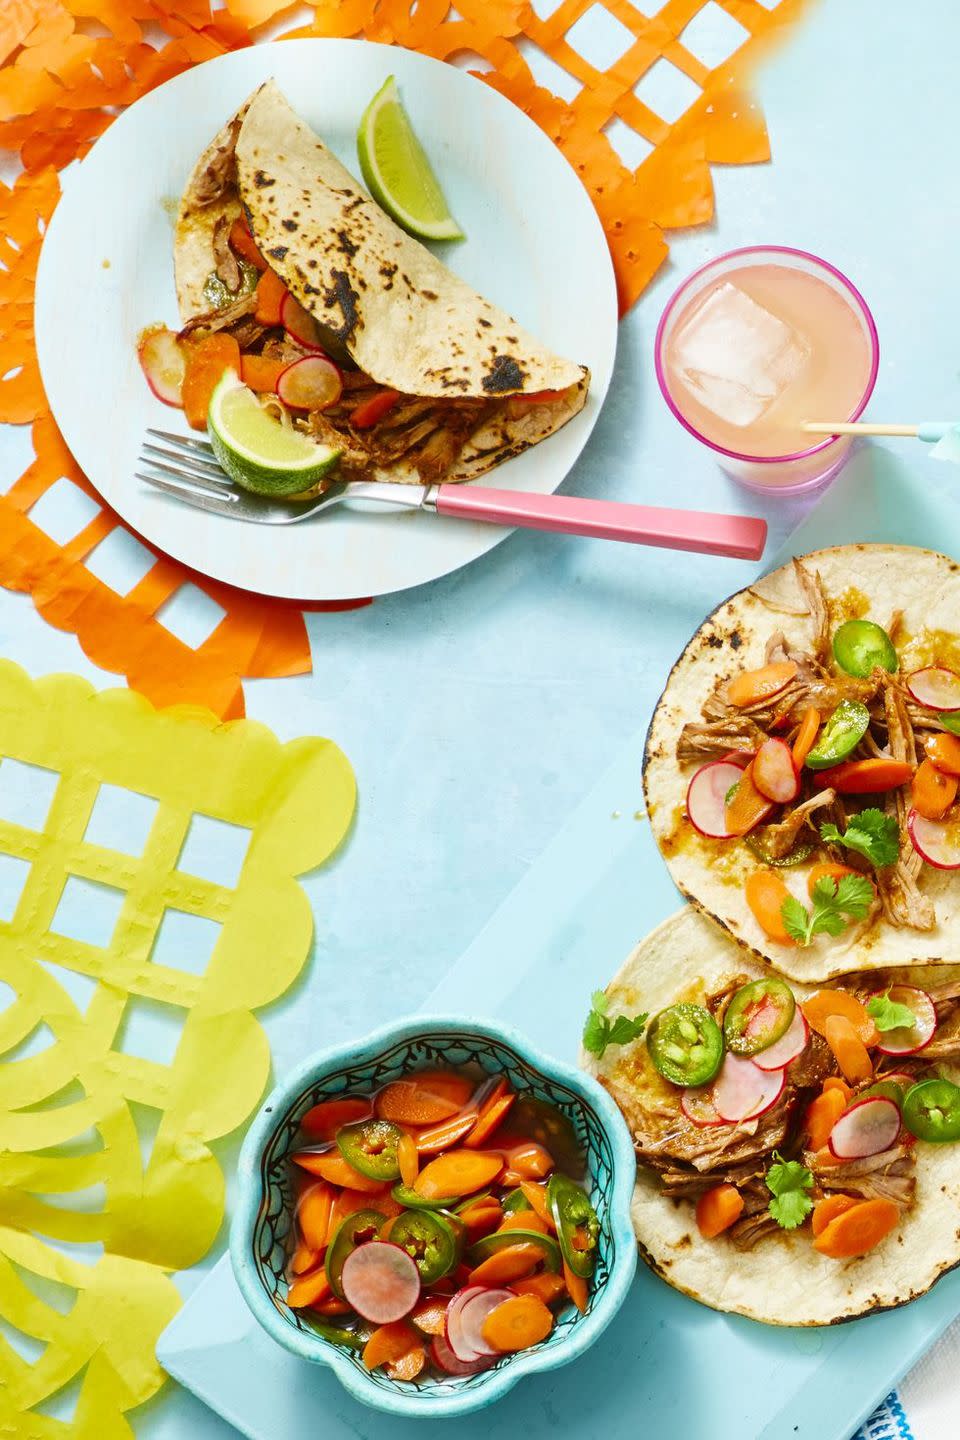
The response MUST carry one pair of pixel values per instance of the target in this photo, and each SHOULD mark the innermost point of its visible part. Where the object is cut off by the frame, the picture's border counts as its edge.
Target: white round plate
(535, 247)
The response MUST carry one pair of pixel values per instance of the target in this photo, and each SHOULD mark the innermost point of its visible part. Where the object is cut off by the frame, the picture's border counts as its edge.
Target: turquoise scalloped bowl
(260, 1229)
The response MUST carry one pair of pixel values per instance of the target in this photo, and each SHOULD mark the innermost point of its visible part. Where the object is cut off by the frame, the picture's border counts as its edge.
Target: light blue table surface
(480, 710)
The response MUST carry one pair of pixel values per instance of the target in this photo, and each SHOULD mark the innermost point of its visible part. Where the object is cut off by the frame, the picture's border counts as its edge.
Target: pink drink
(756, 343)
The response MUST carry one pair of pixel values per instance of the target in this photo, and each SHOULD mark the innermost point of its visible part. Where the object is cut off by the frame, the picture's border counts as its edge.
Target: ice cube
(737, 357)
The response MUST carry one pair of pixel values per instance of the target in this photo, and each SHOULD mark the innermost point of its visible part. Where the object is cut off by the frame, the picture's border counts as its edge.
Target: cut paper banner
(641, 105)
(148, 905)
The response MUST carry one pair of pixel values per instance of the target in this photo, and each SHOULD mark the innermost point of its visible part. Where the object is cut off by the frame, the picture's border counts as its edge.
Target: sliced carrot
(504, 1266)
(865, 777)
(424, 1099)
(822, 1114)
(430, 1314)
(944, 751)
(308, 1289)
(458, 1172)
(525, 1220)
(517, 1324)
(546, 1286)
(765, 893)
(304, 1259)
(408, 1367)
(530, 1160)
(314, 1209)
(755, 685)
(348, 1202)
(828, 1209)
(388, 1343)
(331, 1166)
(857, 1230)
(449, 1132)
(933, 791)
(206, 361)
(576, 1288)
(261, 372)
(717, 1209)
(325, 1119)
(827, 870)
(481, 1220)
(332, 1306)
(493, 1112)
(536, 1197)
(806, 735)
(271, 293)
(833, 1082)
(825, 1158)
(819, 1006)
(408, 1159)
(747, 806)
(243, 244)
(368, 412)
(851, 1054)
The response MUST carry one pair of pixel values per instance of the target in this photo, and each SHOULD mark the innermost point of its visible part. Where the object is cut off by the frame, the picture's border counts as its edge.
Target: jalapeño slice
(577, 1224)
(516, 1200)
(685, 1044)
(354, 1230)
(800, 851)
(840, 736)
(931, 1111)
(950, 720)
(490, 1244)
(413, 1200)
(370, 1146)
(336, 1334)
(757, 1015)
(429, 1240)
(884, 1090)
(859, 646)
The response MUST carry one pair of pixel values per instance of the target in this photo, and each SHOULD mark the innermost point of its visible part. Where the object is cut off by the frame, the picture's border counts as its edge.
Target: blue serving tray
(666, 1365)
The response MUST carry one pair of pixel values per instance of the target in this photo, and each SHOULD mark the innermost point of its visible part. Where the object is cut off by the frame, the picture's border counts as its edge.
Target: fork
(186, 468)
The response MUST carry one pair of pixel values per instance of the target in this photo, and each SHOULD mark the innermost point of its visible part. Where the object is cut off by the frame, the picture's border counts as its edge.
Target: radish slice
(472, 1316)
(911, 1038)
(454, 1323)
(935, 687)
(936, 841)
(451, 1364)
(697, 1104)
(380, 1281)
(774, 772)
(312, 383)
(866, 1128)
(299, 323)
(164, 364)
(707, 795)
(740, 758)
(742, 1091)
(791, 1044)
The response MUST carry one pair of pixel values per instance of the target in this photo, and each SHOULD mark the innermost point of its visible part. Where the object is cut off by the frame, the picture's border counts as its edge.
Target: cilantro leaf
(889, 1014)
(834, 906)
(871, 833)
(788, 1182)
(599, 1030)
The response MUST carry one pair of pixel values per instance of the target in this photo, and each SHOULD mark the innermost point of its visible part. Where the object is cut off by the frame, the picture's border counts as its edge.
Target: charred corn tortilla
(782, 1280)
(404, 318)
(860, 581)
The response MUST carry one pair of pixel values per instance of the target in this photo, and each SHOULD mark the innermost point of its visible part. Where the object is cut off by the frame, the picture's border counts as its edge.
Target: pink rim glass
(858, 302)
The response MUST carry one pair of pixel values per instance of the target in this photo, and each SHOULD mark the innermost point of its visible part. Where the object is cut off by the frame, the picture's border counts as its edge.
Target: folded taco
(278, 246)
(801, 768)
(798, 1148)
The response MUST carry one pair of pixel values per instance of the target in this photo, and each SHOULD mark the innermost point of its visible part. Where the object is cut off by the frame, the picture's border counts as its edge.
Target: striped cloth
(926, 1404)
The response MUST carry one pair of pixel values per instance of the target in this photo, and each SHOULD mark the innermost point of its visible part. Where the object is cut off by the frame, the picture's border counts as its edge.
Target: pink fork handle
(738, 536)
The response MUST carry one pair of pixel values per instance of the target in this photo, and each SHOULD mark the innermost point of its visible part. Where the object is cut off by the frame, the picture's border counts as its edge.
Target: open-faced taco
(280, 248)
(802, 764)
(798, 1148)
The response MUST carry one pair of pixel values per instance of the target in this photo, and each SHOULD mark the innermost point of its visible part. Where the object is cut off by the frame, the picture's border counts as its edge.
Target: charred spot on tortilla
(290, 225)
(342, 294)
(504, 374)
(262, 180)
(485, 323)
(278, 252)
(714, 641)
(344, 243)
(736, 640)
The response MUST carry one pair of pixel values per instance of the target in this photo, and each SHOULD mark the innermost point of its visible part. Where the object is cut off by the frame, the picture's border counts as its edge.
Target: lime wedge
(257, 451)
(397, 171)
